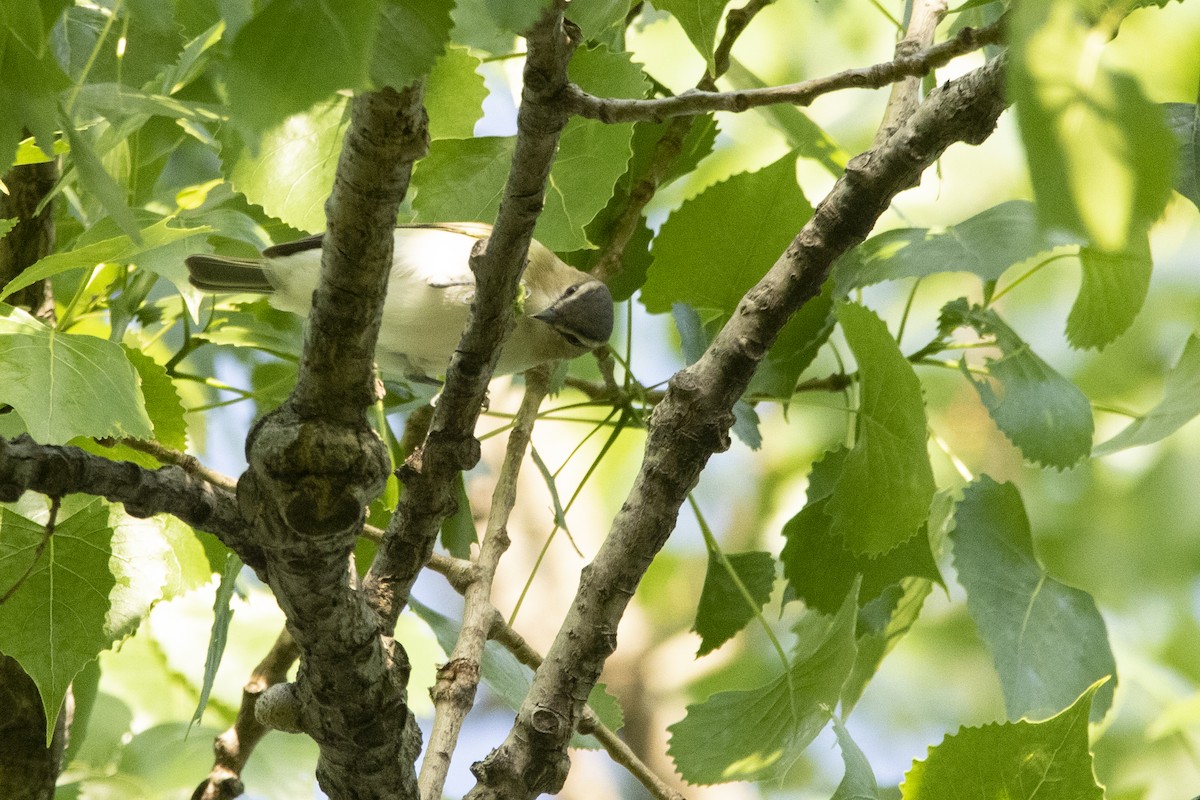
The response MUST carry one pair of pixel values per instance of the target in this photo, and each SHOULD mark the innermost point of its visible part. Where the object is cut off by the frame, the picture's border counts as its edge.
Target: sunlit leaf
(63, 385)
(116, 250)
(1046, 760)
(89, 588)
(1040, 411)
(596, 16)
(858, 781)
(463, 179)
(758, 734)
(1100, 154)
(163, 405)
(698, 262)
(294, 53)
(699, 19)
(99, 183)
(300, 154)
(1179, 405)
(1048, 640)
(883, 495)
(454, 94)
(723, 609)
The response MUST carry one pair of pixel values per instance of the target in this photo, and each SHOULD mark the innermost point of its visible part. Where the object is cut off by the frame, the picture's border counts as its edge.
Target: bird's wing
(476, 230)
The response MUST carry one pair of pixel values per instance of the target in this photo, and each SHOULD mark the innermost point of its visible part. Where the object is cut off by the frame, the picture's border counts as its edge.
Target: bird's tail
(225, 274)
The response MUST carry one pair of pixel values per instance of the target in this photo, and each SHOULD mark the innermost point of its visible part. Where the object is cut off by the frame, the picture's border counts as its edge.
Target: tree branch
(232, 748)
(56, 470)
(315, 463)
(906, 93)
(693, 420)
(458, 678)
(450, 445)
(803, 93)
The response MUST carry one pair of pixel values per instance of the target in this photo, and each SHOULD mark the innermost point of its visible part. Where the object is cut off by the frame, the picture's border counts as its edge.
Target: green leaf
(116, 250)
(1111, 295)
(29, 87)
(463, 179)
(986, 245)
(1100, 154)
(759, 734)
(294, 53)
(1179, 405)
(99, 183)
(454, 95)
(1048, 640)
(163, 405)
(699, 20)
(1015, 760)
(723, 609)
(409, 38)
(301, 154)
(594, 17)
(516, 15)
(1040, 411)
(818, 565)
(90, 587)
(257, 325)
(63, 385)
(697, 258)
(219, 635)
(858, 782)
(1184, 119)
(7, 225)
(883, 495)
(882, 623)
(510, 679)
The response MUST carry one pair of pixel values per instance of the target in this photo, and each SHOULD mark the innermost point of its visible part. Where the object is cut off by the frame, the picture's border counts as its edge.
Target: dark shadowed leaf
(724, 609)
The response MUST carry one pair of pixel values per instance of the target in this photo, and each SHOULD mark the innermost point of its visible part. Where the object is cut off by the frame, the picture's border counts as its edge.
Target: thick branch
(57, 470)
(450, 446)
(691, 103)
(315, 463)
(693, 420)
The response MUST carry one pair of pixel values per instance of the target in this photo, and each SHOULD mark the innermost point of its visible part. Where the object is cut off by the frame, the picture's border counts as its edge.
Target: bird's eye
(573, 339)
(570, 291)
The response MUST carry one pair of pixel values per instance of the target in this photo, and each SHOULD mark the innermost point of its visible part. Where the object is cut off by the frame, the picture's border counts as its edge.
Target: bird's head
(577, 307)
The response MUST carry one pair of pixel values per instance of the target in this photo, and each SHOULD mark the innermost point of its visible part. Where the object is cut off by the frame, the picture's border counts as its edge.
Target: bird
(564, 312)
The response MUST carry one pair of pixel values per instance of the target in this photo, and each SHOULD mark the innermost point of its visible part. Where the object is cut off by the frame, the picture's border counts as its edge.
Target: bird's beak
(549, 316)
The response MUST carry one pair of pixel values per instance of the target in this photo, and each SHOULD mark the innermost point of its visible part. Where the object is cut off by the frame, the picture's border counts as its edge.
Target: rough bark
(315, 463)
(693, 420)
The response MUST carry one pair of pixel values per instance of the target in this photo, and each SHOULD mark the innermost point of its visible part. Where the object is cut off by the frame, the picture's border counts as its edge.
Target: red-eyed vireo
(565, 312)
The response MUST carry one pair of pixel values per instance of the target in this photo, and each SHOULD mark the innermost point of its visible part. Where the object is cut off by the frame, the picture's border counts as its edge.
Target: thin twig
(232, 748)
(458, 678)
(906, 93)
(189, 463)
(691, 103)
